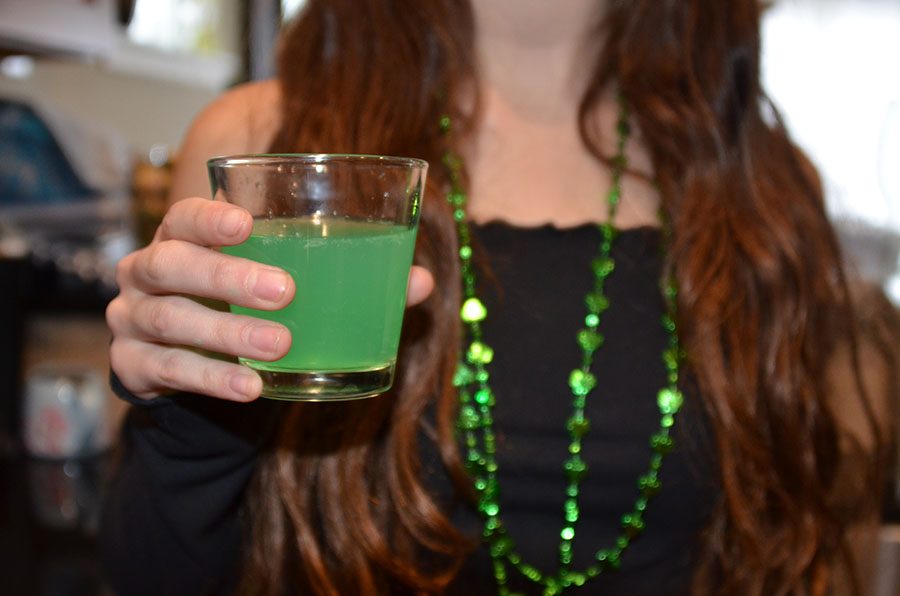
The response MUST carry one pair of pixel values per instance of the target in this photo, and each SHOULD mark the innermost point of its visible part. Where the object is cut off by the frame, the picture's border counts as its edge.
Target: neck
(534, 55)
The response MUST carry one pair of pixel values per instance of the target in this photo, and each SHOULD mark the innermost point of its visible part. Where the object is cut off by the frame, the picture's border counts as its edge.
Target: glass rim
(246, 159)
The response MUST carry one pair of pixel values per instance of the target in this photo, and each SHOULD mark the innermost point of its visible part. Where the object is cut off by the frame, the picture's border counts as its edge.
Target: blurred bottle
(64, 413)
(150, 184)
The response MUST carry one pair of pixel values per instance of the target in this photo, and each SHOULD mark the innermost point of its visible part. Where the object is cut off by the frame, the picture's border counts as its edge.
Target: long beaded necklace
(476, 401)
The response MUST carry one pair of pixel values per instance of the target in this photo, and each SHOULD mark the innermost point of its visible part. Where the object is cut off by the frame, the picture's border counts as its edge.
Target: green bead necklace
(476, 401)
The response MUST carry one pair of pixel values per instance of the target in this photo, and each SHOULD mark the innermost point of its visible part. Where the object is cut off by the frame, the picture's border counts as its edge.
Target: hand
(152, 321)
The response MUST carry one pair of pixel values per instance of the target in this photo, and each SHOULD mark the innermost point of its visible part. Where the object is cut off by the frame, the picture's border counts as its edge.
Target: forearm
(171, 518)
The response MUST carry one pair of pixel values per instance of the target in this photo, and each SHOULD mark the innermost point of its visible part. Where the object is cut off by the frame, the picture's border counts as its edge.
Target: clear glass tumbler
(344, 226)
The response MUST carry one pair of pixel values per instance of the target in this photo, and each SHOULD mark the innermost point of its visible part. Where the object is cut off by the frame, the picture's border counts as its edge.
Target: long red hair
(338, 505)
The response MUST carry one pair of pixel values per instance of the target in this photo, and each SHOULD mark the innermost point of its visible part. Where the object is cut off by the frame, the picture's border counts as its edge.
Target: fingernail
(231, 222)
(270, 284)
(265, 337)
(246, 383)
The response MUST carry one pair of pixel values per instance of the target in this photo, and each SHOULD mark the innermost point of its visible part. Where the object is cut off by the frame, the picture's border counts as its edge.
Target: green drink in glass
(345, 231)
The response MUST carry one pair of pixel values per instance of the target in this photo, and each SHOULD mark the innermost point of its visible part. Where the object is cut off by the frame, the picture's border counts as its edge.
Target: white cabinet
(85, 27)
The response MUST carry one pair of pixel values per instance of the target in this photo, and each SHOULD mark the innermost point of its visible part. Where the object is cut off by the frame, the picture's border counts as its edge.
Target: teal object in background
(34, 170)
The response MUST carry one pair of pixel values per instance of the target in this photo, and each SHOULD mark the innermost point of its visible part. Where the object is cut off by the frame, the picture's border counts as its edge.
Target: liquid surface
(351, 280)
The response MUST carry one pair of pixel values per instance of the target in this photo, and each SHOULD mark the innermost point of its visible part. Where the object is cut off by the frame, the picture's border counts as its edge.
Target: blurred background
(95, 96)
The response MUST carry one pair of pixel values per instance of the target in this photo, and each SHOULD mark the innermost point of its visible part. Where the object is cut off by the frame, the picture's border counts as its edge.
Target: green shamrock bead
(670, 358)
(479, 352)
(603, 266)
(649, 484)
(633, 524)
(473, 311)
(578, 426)
(501, 547)
(669, 400)
(609, 233)
(531, 573)
(575, 468)
(485, 397)
(469, 418)
(463, 375)
(589, 340)
(581, 382)
(613, 560)
(668, 323)
(596, 303)
(614, 196)
(661, 442)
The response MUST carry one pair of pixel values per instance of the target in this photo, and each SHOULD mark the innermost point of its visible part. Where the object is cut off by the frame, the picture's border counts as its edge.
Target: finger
(421, 284)
(174, 267)
(205, 222)
(149, 370)
(181, 321)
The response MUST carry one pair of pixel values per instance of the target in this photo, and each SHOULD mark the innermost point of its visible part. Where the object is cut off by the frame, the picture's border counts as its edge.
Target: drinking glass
(344, 227)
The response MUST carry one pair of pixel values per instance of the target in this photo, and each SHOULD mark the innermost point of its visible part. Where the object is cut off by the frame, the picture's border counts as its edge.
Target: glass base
(326, 385)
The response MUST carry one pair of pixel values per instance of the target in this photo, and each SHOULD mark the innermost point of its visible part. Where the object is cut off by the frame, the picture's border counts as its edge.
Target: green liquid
(351, 280)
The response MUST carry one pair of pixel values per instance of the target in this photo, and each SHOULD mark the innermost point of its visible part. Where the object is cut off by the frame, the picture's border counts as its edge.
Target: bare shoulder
(878, 338)
(878, 335)
(244, 119)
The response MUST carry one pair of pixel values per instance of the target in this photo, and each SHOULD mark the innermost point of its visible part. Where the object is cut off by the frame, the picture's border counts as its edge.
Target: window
(832, 69)
(194, 42)
(290, 8)
(188, 26)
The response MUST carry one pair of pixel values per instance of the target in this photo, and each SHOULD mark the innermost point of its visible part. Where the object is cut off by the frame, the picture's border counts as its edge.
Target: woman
(541, 120)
